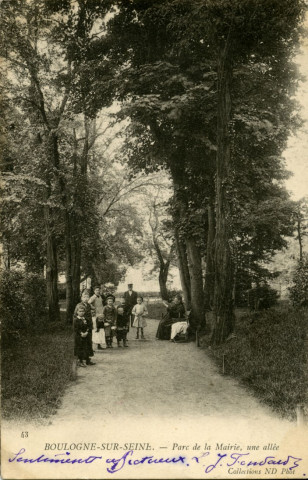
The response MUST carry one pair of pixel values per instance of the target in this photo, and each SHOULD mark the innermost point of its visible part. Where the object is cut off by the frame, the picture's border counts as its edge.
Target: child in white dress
(140, 312)
(98, 335)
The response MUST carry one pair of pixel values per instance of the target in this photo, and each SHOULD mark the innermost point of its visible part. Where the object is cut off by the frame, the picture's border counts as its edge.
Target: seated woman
(175, 314)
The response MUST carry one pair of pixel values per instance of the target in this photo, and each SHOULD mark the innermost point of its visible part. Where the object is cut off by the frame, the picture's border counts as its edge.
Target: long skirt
(89, 339)
(81, 349)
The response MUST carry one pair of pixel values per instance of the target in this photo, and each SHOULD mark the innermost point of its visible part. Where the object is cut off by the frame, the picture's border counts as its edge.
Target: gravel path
(150, 377)
(157, 393)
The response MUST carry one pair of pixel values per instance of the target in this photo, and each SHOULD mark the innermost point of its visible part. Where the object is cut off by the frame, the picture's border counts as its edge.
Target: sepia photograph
(154, 239)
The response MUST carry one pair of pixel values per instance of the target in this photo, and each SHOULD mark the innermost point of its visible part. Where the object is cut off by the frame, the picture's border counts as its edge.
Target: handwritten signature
(128, 459)
(58, 458)
(118, 464)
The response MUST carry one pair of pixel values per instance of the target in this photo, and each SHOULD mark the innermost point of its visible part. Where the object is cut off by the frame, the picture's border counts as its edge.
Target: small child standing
(81, 332)
(88, 316)
(98, 336)
(126, 311)
(122, 326)
(140, 311)
(110, 320)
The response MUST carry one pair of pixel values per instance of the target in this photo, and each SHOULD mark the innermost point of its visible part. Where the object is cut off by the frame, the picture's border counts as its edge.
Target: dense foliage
(201, 90)
(22, 303)
(208, 89)
(299, 291)
(268, 356)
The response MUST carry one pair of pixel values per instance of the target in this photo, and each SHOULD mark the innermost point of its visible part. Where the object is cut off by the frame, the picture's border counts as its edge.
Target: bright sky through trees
(297, 152)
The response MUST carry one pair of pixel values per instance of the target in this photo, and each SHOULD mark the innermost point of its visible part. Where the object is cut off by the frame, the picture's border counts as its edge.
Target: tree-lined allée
(200, 92)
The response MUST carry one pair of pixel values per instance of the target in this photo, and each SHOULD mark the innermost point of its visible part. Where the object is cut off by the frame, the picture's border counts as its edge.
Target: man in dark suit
(130, 300)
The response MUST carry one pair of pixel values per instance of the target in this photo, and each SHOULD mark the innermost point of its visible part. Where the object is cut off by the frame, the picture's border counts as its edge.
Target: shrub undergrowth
(156, 310)
(22, 303)
(35, 372)
(299, 291)
(269, 355)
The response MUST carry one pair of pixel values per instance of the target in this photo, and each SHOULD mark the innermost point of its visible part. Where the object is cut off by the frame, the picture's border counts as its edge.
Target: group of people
(97, 321)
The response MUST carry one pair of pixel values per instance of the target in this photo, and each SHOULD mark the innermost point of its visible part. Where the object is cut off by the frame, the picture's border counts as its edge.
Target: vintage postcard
(154, 269)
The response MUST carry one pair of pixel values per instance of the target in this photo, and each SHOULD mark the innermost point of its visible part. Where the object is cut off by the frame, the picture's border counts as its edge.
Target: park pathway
(165, 396)
(154, 377)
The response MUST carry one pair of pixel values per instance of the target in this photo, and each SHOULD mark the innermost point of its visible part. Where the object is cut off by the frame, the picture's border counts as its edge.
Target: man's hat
(130, 284)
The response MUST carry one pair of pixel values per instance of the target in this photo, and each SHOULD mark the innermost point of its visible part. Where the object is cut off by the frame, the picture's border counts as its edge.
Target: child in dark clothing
(110, 319)
(81, 332)
(88, 316)
(122, 326)
(126, 310)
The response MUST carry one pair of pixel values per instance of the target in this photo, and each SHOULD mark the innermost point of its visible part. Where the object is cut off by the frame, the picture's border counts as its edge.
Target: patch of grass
(156, 310)
(35, 371)
(270, 357)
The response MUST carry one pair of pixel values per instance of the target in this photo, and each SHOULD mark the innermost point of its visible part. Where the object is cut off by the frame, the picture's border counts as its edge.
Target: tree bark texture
(209, 284)
(73, 261)
(163, 270)
(179, 213)
(183, 268)
(73, 230)
(51, 244)
(193, 252)
(51, 270)
(223, 303)
(299, 235)
(196, 283)
(162, 278)
(7, 257)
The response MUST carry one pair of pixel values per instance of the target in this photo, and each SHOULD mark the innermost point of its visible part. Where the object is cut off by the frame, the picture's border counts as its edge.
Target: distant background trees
(104, 99)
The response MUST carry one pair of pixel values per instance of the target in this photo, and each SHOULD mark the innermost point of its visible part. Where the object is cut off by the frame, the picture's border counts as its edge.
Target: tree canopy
(201, 90)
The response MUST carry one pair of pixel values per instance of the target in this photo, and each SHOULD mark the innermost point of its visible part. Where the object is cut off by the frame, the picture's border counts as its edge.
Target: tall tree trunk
(69, 261)
(72, 226)
(68, 269)
(223, 304)
(163, 270)
(74, 221)
(179, 213)
(51, 244)
(51, 270)
(194, 262)
(73, 261)
(8, 253)
(299, 235)
(209, 283)
(76, 267)
(183, 268)
(162, 278)
(196, 282)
